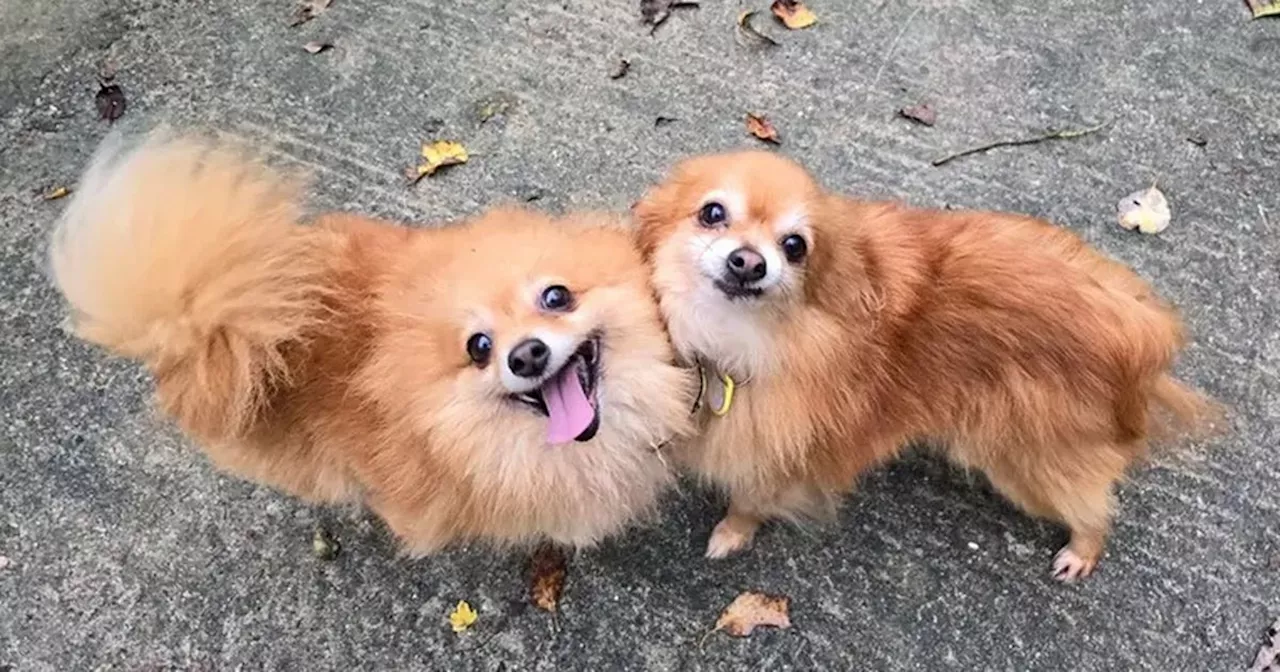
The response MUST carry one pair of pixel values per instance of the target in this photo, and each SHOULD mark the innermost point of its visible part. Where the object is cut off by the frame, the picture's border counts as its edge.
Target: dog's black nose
(529, 358)
(746, 265)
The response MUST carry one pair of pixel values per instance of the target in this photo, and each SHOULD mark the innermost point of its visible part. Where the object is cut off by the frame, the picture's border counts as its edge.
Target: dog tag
(719, 390)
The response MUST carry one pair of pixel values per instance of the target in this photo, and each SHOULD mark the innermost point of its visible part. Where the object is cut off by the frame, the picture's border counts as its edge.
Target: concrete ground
(125, 550)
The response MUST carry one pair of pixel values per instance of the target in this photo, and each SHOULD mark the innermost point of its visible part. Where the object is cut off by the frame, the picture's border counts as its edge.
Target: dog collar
(716, 388)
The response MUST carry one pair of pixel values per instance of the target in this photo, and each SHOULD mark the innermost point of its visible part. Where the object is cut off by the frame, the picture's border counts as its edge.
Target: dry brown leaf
(307, 10)
(548, 567)
(110, 102)
(749, 31)
(923, 114)
(316, 46)
(751, 610)
(56, 193)
(437, 155)
(793, 14)
(760, 126)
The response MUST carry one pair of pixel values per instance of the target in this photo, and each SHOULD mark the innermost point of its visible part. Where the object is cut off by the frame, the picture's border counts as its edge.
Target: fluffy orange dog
(832, 332)
(505, 380)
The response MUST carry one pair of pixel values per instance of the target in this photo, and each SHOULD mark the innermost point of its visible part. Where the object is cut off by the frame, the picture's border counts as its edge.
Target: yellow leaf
(439, 154)
(462, 616)
(1261, 8)
(760, 126)
(793, 14)
(56, 193)
(1146, 210)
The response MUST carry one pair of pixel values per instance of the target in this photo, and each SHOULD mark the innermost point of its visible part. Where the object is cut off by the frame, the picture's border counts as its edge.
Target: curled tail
(186, 255)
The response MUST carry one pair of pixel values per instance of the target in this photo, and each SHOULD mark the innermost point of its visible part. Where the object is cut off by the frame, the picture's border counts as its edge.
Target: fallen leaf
(437, 155)
(4, 562)
(548, 567)
(620, 70)
(1261, 8)
(760, 126)
(749, 31)
(1197, 140)
(462, 617)
(317, 46)
(495, 105)
(751, 610)
(307, 10)
(110, 101)
(1146, 211)
(923, 114)
(654, 13)
(663, 121)
(793, 14)
(56, 193)
(323, 545)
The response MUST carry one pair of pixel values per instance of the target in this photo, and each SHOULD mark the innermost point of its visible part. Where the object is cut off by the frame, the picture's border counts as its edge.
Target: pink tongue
(567, 405)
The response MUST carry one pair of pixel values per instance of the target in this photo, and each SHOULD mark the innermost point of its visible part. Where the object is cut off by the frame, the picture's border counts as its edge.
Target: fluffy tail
(186, 255)
(1183, 411)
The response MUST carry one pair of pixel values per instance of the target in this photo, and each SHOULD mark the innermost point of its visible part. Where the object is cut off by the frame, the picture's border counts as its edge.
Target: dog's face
(730, 240)
(530, 354)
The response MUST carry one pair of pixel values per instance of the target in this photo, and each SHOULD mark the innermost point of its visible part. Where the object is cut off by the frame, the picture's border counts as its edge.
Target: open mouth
(736, 291)
(568, 397)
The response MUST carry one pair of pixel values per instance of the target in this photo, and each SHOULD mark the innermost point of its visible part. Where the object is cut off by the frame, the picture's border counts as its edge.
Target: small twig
(1056, 135)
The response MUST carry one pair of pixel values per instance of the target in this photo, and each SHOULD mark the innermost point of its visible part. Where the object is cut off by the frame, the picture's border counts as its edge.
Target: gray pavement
(126, 550)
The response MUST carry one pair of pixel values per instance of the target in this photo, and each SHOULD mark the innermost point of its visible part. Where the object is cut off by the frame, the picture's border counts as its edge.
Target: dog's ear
(654, 215)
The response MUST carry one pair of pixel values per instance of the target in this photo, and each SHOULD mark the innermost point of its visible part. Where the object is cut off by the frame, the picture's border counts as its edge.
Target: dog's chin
(735, 292)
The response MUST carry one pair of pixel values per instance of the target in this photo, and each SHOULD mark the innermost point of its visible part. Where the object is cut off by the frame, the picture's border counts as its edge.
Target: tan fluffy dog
(832, 332)
(504, 380)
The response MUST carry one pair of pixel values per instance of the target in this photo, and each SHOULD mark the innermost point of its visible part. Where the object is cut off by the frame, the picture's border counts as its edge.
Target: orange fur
(1007, 341)
(330, 360)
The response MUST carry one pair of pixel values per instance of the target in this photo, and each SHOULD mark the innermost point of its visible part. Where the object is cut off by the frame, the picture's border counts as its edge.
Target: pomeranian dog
(507, 379)
(831, 333)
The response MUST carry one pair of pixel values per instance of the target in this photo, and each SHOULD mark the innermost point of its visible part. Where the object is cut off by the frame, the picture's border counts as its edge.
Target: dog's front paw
(1069, 567)
(731, 535)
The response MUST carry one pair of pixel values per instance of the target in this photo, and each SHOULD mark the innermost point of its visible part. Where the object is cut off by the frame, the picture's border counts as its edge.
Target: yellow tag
(728, 396)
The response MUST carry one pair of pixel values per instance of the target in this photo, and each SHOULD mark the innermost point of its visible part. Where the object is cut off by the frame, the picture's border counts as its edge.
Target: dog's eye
(712, 215)
(479, 347)
(556, 297)
(795, 248)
